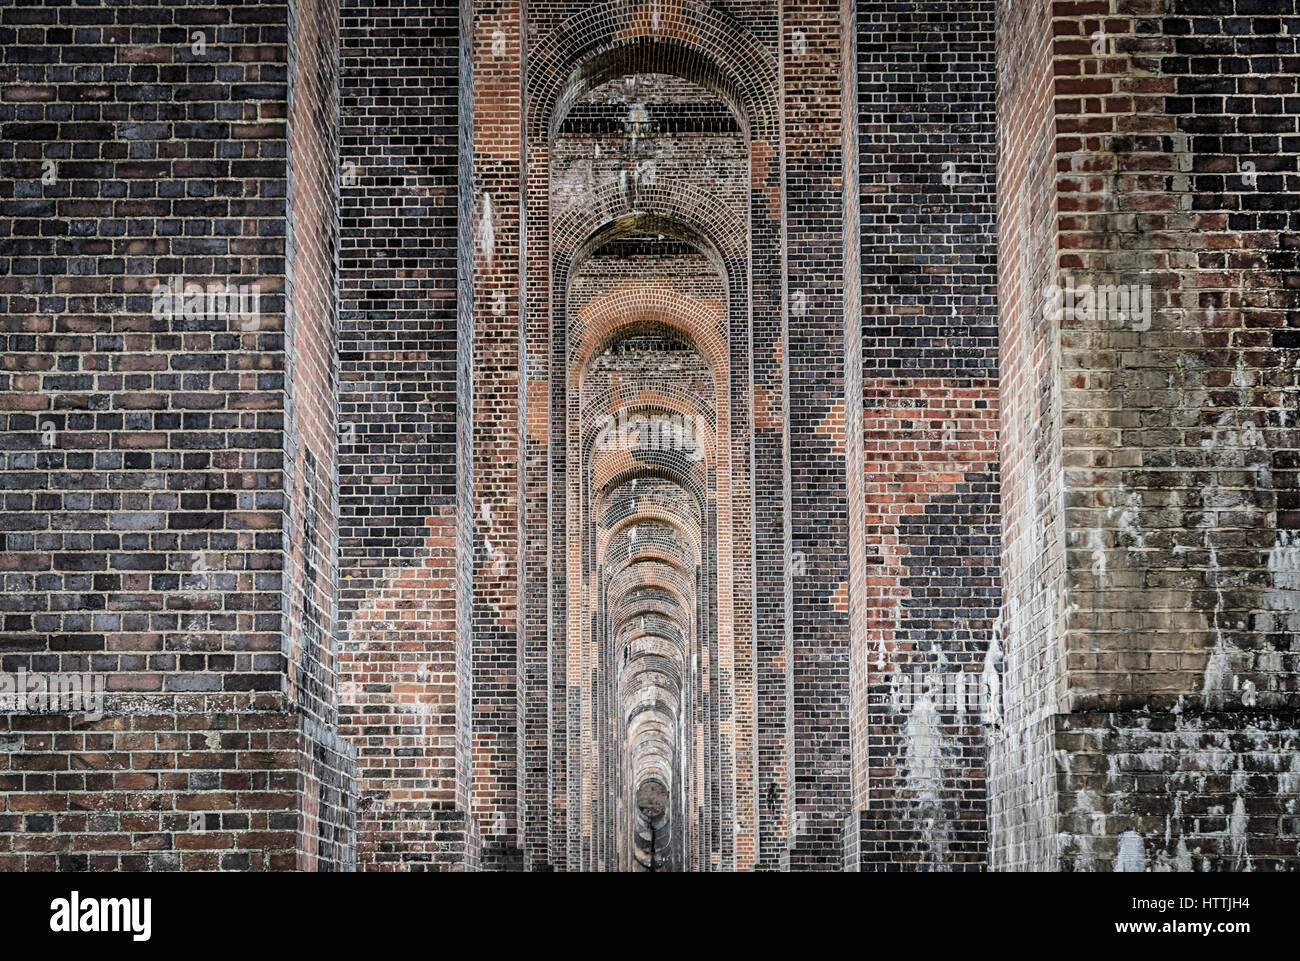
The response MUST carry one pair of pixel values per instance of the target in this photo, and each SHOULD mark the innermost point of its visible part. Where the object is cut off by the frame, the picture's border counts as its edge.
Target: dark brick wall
(311, 348)
(929, 420)
(403, 411)
(143, 453)
(508, 759)
(310, 436)
(147, 505)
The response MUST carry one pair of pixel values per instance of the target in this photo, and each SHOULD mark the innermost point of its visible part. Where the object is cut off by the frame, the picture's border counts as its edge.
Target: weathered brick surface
(1164, 151)
(145, 460)
(814, 45)
(642, 457)
(165, 526)
(1024, 664)
(1189, 791)
(498, 406)
(191, 783)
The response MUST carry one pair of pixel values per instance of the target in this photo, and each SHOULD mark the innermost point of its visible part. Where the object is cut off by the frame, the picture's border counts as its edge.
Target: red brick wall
(1171, 585)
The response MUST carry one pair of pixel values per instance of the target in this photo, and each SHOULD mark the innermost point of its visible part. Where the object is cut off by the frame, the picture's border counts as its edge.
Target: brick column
(1148, 282)
(814, 46)
(405, 495)
(166, 421)
(498, 411)
(929, 474)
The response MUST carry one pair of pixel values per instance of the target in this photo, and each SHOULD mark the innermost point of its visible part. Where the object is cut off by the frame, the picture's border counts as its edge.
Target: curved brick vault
(672, 435)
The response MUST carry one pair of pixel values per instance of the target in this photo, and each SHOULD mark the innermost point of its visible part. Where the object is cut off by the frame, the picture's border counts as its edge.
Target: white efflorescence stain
(1132, 856)
(487, 230)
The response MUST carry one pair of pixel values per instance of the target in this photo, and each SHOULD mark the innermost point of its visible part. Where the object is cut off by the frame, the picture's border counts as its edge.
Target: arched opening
(648, 148)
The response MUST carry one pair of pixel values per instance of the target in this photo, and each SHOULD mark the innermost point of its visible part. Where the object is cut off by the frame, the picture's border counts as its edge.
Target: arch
(650, 515)
(605, 318)
(692, 288)
(674, 208)
(691, 39)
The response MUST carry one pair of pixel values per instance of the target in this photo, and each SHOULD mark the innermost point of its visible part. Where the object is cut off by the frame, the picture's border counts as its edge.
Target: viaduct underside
(650, 435)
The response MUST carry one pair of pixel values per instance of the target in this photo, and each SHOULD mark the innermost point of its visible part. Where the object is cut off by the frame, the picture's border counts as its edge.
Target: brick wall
(404, 642)
(1023, 672)
(938, 585)
(1174, 139)
(148, 526)
(929, 428)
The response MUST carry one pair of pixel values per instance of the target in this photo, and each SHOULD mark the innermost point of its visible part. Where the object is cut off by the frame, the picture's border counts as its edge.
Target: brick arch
(705, 437)
(659, 402)
(651, 568)
(717, 323)
(605, 318)
(650, 471)
(667, 624)
(650, 744)
(644, 672)
(632, 221)
(624, 552)
(608, 464)
(670, 629)
(636, 594)
(652, 572)
(650, 554)
(637, 724)
(667, 608)
(647, 659)
(653, 754)
(654, 645)
(689, 489)
(648, 706)
(653, 397)
(675, 208)
(691, 39)
(653, 765)
(608, 509)
(645, 706)
(653, 703)
(615, 480)
(652, 514)
(643, 652)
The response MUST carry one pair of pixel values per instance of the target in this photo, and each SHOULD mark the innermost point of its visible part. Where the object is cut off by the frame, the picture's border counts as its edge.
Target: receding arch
(674, 208)
(692, 39)
(609, 316)
(650, 254)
